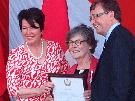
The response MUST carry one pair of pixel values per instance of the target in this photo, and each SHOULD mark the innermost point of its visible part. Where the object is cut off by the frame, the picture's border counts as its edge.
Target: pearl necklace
(37, 58)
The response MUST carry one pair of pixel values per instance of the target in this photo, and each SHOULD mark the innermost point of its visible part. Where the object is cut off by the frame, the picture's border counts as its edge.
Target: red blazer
(92, 69)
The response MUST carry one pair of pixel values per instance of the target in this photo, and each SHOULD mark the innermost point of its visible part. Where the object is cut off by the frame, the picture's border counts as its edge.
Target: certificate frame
(67, 87)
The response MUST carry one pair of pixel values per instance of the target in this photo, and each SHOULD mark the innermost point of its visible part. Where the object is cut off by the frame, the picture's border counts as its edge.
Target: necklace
(37, 58)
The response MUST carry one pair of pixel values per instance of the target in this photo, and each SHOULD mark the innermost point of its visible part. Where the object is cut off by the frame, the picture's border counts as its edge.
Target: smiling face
(101, 19)
(31, 34)
(78, 47)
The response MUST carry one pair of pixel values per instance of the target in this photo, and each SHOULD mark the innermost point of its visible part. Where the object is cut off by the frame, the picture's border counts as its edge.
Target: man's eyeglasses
(77, 42)
(94, 16)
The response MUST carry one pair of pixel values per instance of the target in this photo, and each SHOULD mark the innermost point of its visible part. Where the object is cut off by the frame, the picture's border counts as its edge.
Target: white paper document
(68, 89)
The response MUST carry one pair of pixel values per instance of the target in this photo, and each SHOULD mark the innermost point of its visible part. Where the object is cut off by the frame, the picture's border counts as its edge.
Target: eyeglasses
(77, 42)
(94, 16)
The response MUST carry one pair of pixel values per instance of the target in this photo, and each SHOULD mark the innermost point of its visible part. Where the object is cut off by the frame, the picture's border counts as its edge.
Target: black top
(85, 75)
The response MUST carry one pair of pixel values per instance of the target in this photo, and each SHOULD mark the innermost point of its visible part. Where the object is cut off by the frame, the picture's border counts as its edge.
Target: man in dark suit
(114, 79)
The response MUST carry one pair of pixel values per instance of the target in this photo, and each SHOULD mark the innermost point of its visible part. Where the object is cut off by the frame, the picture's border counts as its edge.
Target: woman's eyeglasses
(77, 42)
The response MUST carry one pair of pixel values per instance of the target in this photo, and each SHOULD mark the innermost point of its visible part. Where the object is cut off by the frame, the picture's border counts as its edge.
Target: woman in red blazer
(81, 43)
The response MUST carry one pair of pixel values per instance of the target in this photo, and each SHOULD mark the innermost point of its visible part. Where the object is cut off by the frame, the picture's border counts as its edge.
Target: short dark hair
(109, 5)
(32, 15)
(86, 32)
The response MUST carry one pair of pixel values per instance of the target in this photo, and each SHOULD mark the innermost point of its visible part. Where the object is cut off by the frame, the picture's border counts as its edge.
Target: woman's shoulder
(72, 69)
(17, 49)
(53, 44)
(94, 62)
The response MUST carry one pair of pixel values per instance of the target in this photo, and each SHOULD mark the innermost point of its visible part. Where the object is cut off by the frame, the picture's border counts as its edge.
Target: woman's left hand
(87, 95)
(47, 87)
(49, 98)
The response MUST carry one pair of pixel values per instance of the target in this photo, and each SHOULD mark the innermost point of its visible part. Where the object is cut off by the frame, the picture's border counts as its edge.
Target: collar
(110, 30)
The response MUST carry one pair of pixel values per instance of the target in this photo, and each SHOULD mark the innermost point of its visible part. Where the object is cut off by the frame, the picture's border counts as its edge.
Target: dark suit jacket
(114, 79)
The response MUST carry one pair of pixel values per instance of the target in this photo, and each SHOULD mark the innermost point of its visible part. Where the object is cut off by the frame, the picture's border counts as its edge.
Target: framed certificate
(67, 87)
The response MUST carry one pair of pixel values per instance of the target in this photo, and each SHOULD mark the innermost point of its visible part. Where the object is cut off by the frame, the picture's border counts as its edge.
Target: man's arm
(122, 68)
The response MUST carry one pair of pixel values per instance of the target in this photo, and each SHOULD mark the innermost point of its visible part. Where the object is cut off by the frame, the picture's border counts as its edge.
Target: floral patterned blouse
(23, 71)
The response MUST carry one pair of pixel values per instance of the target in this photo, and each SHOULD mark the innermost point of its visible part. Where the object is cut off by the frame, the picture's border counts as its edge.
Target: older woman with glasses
(81, 43)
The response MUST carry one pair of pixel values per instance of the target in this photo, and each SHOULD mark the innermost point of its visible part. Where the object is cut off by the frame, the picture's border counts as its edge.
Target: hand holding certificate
(67, 87)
